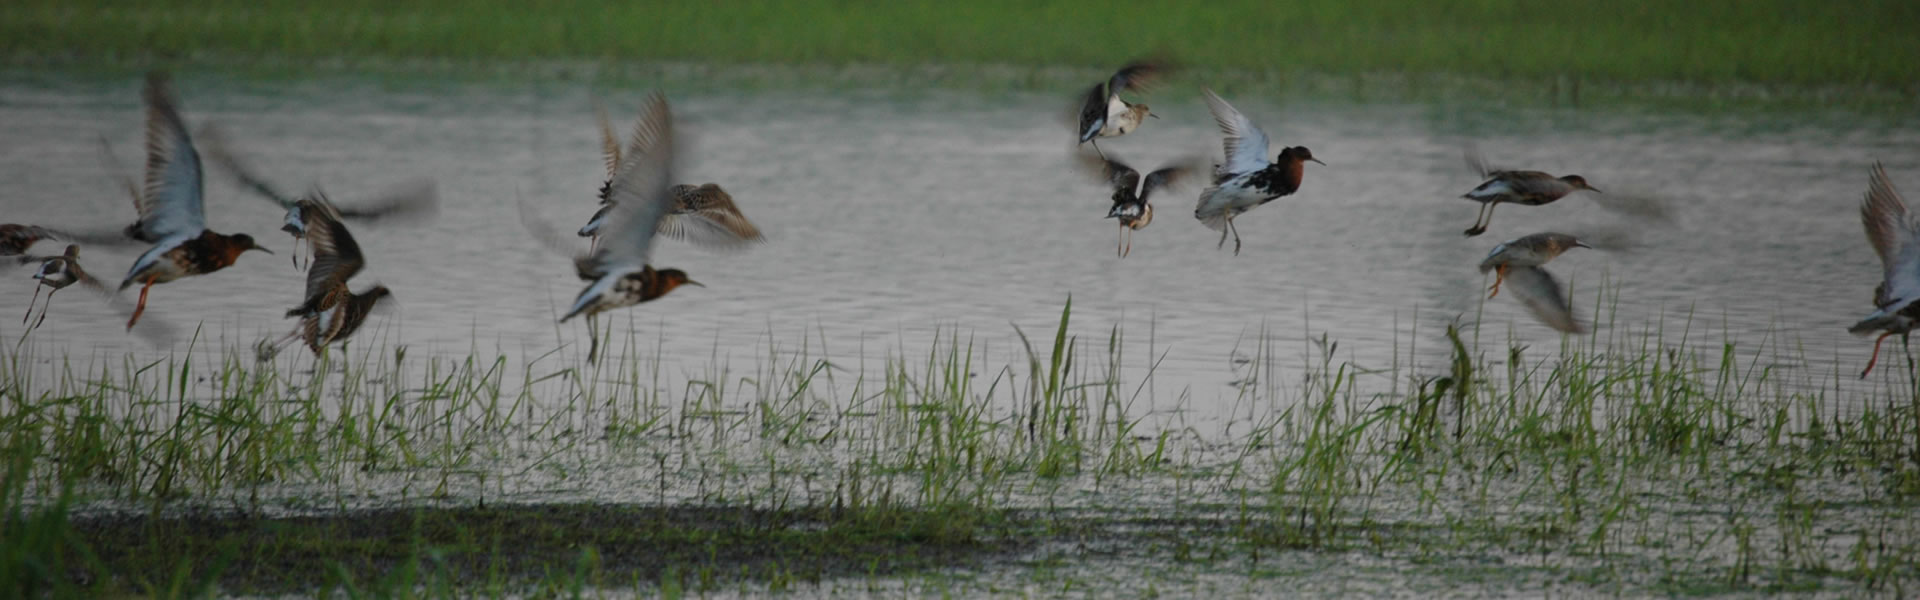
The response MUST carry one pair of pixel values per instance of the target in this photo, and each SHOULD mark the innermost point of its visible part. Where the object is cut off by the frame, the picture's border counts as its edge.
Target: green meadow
(1768, 42)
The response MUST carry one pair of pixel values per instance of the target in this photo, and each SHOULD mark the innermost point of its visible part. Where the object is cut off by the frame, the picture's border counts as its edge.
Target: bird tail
(1878, 321)
(1214, 217)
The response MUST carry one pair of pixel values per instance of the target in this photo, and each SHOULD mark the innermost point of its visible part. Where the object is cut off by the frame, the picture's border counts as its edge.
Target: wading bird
(639, 196)
(409, 202)
(704, 214)
(1130, 191)
(1246, 179)
(56, 273)
(172, 212)
(1103, 113)
(1895, 236)
(1531, 188)
(1518, 263)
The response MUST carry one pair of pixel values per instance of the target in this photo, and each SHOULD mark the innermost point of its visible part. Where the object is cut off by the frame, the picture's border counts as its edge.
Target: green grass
(1791, 42)
(1633, 461)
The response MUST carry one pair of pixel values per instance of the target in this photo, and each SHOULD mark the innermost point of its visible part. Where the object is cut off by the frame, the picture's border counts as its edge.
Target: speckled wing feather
(1895, 236)
(1537, 290)
(705, 215)
(609, 142)
(639, 192)
(170, 204)
(1245, 143)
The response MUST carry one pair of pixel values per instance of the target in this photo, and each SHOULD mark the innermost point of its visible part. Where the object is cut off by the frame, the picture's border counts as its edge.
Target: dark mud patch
(510, 547)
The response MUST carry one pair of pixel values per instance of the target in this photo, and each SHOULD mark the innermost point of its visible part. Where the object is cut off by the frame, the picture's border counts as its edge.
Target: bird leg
(1876, 354)
(43, 307)
(1096, 146)
(36, 300)
(1129, 249)
(1118, 236)
(593, 337)
(1481, 222)
(1236, 237)
(1499, 275)
(142, 306)
(1223, 234)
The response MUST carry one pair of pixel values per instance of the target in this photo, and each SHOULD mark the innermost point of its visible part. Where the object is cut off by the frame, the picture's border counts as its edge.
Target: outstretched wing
(1170, 175)
(609, 143)
(1108, 169)
(706, 216)
(1537, 290)
(1245, 143)
(1137, 76)
(111, 162)
(336, 257)
(408, 202)
(639, 193)
(1895, 236)
(214, 140)
(170, 205)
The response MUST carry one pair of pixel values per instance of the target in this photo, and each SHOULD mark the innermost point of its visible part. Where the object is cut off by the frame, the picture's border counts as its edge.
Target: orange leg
(142, 306)
(1876, 354)
(1500, 274)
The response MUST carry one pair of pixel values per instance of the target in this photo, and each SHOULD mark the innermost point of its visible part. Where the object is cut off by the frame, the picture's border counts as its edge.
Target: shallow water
(893, 214)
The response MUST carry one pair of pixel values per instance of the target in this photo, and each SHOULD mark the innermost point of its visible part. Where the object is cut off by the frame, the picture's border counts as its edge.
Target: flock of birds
(640, 199)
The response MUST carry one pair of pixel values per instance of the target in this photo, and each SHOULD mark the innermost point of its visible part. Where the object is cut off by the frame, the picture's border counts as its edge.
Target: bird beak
(261, 248)
(1579, 244)
(1150, 114)
(1594, 189)
(692, 282)
(1318, 161)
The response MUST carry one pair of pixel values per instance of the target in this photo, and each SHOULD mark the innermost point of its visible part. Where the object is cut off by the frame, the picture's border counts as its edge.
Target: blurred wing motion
(542, 231)
(1895, 236)
(609, 142)
(1171, 175)
(170, 203)
(640, 193)
(214, 140)
(1109, 170)
(408, 202)
(1536, 289)
(336, 257)
(706, 215)
(1245, 143)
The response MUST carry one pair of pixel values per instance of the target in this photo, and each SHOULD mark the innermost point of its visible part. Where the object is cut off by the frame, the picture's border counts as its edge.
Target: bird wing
(609, 142)
(1536, 289)
(410, 202)
(639, 193)
(706, 216)
(171, 204)
(1093, 112)
(1245, 143)
(1108, 170)
(214, 140)
(1477, 162)
(1137, 76)
(1170, 175)
(541, 230)
(111, 162)
(1895, 236)
(336, 257)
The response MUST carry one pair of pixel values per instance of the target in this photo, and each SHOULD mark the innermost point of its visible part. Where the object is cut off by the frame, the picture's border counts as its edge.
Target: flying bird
(330, 311)
(1895, 236)
(1246, 179)
(1530, 188)
(704, 214)
(1103, 113)
(171, 206)
(1520, 262)
(1131, 191)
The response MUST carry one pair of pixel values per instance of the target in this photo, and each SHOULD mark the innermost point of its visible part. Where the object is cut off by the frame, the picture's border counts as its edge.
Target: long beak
(1317, 160)
(261, 248)
(1595, 190)
(692, 282)
(1582, 245)
(1153, 115)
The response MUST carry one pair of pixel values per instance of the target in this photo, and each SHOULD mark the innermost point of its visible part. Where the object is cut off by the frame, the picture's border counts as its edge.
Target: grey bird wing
(171, 203)
(706, 216)
(1537, 290)
(409, 202)
(214, 140)
(542, 231)
(1895, 236)
(640, 194)
(1171, 175)
(1245, 143)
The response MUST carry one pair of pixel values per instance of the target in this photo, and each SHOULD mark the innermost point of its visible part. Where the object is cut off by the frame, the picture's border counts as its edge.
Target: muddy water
(894, 214)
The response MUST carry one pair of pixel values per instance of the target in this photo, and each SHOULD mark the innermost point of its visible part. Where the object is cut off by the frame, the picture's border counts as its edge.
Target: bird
(410, 201)
(1519, 263)
(1103, 113)
(1895, 236)
(15, 238)
(171, 206)
(1531, 188)
(640, 197)
(704, 214)
(1526, 251)
(330, 311)
(1246, 179)
(1130, 191)
(57, 272)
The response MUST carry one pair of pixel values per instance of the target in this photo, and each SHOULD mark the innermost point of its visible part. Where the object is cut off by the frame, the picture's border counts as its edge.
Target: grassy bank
(1635, 461)
(1787, 42)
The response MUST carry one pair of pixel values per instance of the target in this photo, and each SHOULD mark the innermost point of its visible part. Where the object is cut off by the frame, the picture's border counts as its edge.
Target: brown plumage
(1531, 188)
(1521, 263)
(56, 273)
(1131, 191)
(704, 215)
(16, 239)
(330, 311)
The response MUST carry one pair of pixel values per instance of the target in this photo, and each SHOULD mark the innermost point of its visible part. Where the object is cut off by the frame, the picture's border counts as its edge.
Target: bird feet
(1500, 275)
(1475, 230)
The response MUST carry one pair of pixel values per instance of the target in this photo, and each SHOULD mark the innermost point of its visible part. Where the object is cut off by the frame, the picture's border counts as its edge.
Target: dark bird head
(1301, 153)
(379, 291)
(1579, 183)
(245, 242)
